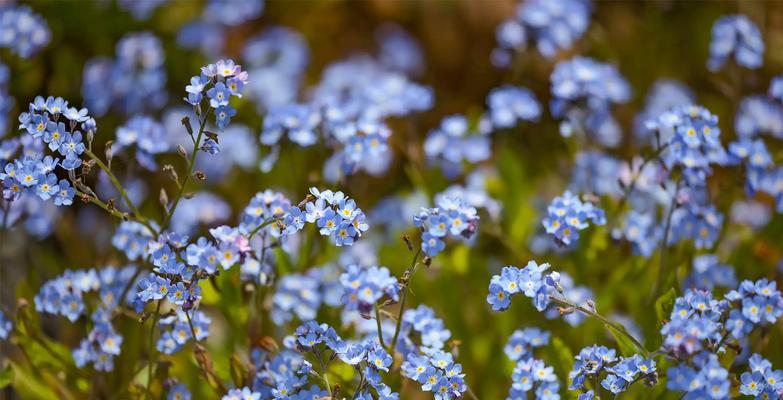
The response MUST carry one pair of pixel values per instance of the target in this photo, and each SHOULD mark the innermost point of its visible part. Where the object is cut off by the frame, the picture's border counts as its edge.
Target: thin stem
(324, 374)
(616, 326)
(218, 386)
(94, 200)
(664, 242)
(629, 189)
(122, 191)
(403, 296)
(151, 348)
(378, 322)
(186, 178)
(471, 394)
(262, 226)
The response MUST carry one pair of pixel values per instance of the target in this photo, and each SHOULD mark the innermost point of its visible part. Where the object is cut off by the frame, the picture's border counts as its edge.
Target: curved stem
(186, 178)
(409, 272)
(116, 182)
(151, 348)
(262, 226)
(94, 200)
(612, 324)
(629, 189)
(378, 322)
(664, 243)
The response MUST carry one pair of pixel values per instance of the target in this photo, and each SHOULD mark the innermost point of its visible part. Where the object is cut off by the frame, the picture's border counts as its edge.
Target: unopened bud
(565, 310)
(109, 153)
(186, 124)
(200, 175)
(591, 304)
(427, 261)
(408, 243)
(188, 195)
(181, 150)
(268, 343)
(163, 198)
(172, 173)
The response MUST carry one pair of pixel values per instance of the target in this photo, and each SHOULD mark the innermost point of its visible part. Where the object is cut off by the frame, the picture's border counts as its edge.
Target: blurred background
(646, 40)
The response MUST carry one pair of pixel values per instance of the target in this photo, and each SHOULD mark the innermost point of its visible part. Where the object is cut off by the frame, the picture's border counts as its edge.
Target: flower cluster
(22, 30)
(759, 114)
(583, 91)
(597, 173)
(437, 373)
(453, 144)
(508, 105)
(689, 137)
(530, 373)
(364, 287)
(762, 381)
(218, 81)
(567, 215)
(367, 356)
(335, 214)
(522, 343)
(53, 122)
(132, 239)
(708, 273)
(421, 325)
(244, 393)
(346, 111)
(277, 59)
(301, 295)
(664, 95)
(66, 295)
(451, 217)
(706, 378)
(428, 364)
(592, 362)
(6, 104)
(100, 346)
(147, 134)
(737, 36)
(553, 25)
(530, 280)
(756, 303)
(282, 374)
(131, 83)
(694, 323)
(176, 330)
(697, 222)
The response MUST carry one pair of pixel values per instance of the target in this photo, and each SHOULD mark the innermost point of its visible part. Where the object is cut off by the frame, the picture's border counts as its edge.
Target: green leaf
(564, 360)
(664, 305)
(6, 377)
(626, 345)
(30, 387)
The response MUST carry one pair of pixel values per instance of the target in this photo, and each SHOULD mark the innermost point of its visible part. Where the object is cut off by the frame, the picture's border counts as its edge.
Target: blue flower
(131, 83)
(567, 215)
(24, 32)
(738, 36)
(508, 104)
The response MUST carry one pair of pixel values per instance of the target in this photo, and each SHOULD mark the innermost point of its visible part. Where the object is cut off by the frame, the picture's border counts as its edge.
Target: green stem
(123, 192)
(151, 346)
(262, 226)
(411, 270)
(94, 200)
(665, 244)
(378, 322)
(325, 374)
(186, 178)
(609, 323)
